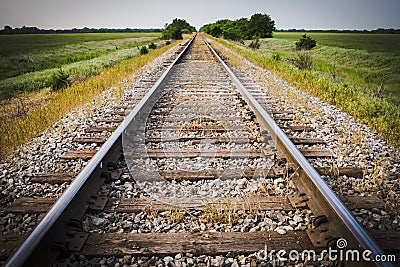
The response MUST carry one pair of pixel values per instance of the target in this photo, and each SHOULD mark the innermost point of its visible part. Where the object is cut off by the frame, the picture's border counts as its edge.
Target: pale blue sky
(308, 14)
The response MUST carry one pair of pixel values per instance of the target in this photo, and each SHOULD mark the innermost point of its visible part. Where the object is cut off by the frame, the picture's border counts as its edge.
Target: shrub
(276, 57)
(152, 46)
(306, 43)
(255, 44)
(303, 60)
(144, 50)
(59, 80)
(168, 42)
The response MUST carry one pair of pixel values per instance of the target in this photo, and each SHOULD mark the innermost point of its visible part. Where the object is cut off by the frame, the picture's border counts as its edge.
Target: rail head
(344, 214)
(22, 254)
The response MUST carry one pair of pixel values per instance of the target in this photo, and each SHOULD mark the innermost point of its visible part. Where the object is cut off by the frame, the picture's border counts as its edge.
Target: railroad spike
(75, 223)
(320, 219)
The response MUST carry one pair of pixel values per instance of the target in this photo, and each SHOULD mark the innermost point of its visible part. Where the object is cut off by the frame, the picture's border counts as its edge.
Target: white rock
(97, 221)
(280, 230)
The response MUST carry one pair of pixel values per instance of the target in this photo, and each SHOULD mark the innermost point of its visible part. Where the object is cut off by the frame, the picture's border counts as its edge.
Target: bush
(144, 50)
(59, 80)
(276, 57)
(255, 44)
(303, 60)
(152, 46)
(167, 42)
(306, 43)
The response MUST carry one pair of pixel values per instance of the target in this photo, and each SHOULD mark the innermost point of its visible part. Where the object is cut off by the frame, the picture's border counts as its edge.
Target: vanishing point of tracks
(200, 152)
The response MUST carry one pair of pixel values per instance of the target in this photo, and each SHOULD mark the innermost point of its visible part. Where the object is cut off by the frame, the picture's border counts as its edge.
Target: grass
(33, 52)
(19, 130)
(365, 60)
(28, 61)
(353, 98)
(386, 43)
(176, 215)
(221, 213)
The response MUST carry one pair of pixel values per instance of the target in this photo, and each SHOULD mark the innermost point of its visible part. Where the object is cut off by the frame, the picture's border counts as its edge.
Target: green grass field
(387, 43)
(22, 118)
(364, 60)
(347, 71)
(28, 61)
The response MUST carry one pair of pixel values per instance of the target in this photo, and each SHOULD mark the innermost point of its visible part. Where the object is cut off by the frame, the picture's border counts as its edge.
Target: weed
(276, 56)
(200, 124)
(303, 60)
(334, 170)
(152, 213)
(251, 208)
(176, 215)
(379, 175)
(221, 213)
(59, 80)
(392, 199)
(267, 189)
(255, 44)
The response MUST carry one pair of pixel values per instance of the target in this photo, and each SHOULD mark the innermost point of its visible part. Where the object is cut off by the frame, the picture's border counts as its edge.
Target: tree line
(36, 30)
(379, 31)
(258, 26)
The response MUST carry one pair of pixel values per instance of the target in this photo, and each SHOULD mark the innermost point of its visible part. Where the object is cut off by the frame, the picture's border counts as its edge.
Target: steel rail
(331, 198)
(22, 254)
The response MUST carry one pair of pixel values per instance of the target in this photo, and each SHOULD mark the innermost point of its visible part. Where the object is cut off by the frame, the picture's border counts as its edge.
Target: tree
(176, 28)
(261, 26)
(232, 34)
(243, 26)
(7, 29)
(216, 31)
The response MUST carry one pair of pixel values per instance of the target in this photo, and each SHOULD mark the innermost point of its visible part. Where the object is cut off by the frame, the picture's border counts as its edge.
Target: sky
(288, 14)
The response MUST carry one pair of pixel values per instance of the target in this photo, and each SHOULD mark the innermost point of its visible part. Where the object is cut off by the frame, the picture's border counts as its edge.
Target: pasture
(370, 61)
(362, 79)
(25, 116)
(28, 61)
(387, 43)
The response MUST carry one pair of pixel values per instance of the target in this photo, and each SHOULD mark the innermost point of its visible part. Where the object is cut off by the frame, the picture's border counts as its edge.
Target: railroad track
(201, 165)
